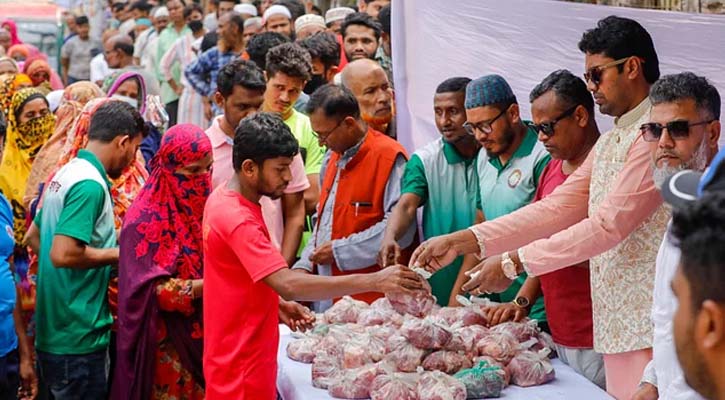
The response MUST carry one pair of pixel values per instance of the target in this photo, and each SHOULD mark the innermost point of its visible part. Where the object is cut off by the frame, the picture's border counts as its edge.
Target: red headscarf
(36, 64)
(10, 25)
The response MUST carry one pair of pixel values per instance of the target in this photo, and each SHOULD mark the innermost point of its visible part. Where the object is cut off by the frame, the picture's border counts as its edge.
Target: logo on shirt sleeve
(514, 178)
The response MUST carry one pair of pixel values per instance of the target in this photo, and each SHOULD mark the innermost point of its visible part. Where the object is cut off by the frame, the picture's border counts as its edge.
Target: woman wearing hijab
(40, 73)
(10, 25)
(11, 84)
(8, 66)
(30, 124)
(127, 86)
(160, 312)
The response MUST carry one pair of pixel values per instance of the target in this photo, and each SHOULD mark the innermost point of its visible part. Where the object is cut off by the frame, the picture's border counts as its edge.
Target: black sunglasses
(547, 128)
(594, 74)
(678, 130)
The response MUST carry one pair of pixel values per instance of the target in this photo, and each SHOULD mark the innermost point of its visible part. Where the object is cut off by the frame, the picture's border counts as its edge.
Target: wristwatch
(508, 267)
(521, 302)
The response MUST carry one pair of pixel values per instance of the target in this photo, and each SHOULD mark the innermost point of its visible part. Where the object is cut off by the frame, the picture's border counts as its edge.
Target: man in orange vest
(359, 186)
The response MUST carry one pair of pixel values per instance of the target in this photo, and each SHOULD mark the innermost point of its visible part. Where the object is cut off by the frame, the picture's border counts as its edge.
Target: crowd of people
(190, 179)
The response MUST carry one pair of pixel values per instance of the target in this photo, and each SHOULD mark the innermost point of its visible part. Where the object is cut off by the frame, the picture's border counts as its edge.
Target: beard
(505, 142)
(698, 162)
(377, 123)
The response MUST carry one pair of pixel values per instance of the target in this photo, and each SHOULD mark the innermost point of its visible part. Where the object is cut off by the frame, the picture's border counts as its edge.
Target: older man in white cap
(144, 50)
(252, 26)
(309, 24)
(278, 19)
(335, 16)
(246, 10)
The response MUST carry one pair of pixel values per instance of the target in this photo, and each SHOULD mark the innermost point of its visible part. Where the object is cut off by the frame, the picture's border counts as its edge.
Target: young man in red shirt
(244, 275)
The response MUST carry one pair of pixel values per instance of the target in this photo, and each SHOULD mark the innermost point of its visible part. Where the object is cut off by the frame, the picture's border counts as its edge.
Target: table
(294, 381)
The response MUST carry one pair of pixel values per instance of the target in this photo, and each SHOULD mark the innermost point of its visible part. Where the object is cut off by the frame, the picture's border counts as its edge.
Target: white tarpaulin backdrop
(523, 41)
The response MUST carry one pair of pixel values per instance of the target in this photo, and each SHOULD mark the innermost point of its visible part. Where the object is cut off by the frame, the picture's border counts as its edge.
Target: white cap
(256, 21)
(276, 10)
(337, 14)
(161, 12)
(246, 9)
(309, 20)
(54, 98)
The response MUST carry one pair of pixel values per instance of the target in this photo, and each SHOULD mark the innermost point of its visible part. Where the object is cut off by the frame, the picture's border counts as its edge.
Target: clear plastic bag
(382, 332)
(398, 386)
(426, 333)
(419, 304)
(324, 369)
(463, 316)
(522, 331)
(362, 349)
(353, 383)
(494, 363)
(303, 350)
(482, 381)
(346, 310)
(465, 338)
(155, 112)
(449, 362)
(381, 312)
(436, 385)
(501, 346)
(403, 355)
(531, 368)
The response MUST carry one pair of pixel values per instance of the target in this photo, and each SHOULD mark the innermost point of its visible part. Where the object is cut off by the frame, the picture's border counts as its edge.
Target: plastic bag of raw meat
(395, 385)
(482, 381)
(346, 310)
(501, 346)
(545, 341)
(426, 333)
(522, 331)
(303, 350)
(465, 338)
(403, 355)
(449, 362)
(382, 332)
(504, 370)
(337, 336)
(463, 316)
(362, 349)
(353, 383)
(436, 385)
(419, 304)
(324, 369)
(379, 313)
(531, 368)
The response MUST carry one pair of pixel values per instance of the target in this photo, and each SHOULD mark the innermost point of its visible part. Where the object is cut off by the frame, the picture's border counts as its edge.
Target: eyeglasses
(547, 128)
(322, 136)
(483, 126)
(678, 130)
(594, 74)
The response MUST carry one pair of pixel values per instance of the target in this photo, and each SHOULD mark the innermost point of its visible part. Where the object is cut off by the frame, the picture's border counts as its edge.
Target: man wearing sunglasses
(359, 186)
(683, 132)
(608, 212)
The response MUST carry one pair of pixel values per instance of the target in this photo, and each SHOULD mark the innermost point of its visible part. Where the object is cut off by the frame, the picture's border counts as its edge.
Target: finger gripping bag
(482, 381)
(418, 304)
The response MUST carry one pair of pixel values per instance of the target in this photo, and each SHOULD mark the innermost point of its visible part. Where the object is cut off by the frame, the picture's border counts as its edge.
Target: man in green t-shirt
(74, 236)
(442, 178)
(508, 172)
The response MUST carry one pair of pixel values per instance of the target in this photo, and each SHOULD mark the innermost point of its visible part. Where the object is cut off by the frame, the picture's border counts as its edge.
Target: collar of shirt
(633, 115)
(84, 154)
(350, 153)
(525, 148)
(217, 137)
(453, 156)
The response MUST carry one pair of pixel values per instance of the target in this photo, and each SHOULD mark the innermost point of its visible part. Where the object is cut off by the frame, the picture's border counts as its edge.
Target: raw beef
(482, 381)
(436, 385)
(346, 310)
(531, 368)
(501, 346)
(419, 304)
(353, 383)
(379, 313)
(522, 331)
(464, 316)
(303, 350)
(382, 332)
(403, 355)
(426, 333)
(396, 386)
(324, 369)
(465, 338)
(545, 341)
(362, 349)
(449, 362)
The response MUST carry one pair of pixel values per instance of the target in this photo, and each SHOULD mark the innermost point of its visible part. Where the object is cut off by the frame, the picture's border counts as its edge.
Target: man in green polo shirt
(75, 238)
(442, 178)
(508, 172)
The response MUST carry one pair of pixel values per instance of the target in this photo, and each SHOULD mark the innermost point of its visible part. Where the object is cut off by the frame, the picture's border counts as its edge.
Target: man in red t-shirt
(563, 113)
(244, 274)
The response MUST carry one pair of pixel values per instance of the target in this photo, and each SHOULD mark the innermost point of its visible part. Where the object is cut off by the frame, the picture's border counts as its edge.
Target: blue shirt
(8, 340)
(202, 73)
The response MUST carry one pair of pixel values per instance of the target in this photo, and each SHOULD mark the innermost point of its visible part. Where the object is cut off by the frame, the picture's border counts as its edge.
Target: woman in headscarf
(10, 25)
(71, 105)
(11, 84)
(30, 124)
(8, 66)
(128, 86)
(160, 271)
(19, 53)
(39, 71)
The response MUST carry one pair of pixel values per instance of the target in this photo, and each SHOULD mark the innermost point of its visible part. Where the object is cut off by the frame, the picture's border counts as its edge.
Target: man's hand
(295, 315)
(398, 279)
(434, 254)
(322, 255)
(487, 277)
(389, 252)
(646, 391)
(504, 313)
(28, 380)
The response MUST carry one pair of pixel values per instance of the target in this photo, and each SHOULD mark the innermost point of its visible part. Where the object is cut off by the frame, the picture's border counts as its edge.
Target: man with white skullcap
(335, 16)
(252, 26)
(309, 24)
(278, 19)
(246, 10)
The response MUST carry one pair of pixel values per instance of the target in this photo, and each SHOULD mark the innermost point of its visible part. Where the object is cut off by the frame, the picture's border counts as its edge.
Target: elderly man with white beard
(683, 132)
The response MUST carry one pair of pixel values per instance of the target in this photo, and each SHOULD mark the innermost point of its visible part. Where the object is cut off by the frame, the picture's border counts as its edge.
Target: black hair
(19, 109)
(189, 9)
(118, 6)
(569, 88)
(617, 38)
(239, 73)
(453, 85)
(384, 19)
(260, 137)
(361, 19)
(335, 101)
(210, 40)
(141, 5)
(316, 10)
(236, 19)
(229, 1)
(261, 43)
(324, 46)
(290, 59)
(697, 229)
(126, 47)
(295, 8)
(82, 20)
(116, 118)
(687, 85)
